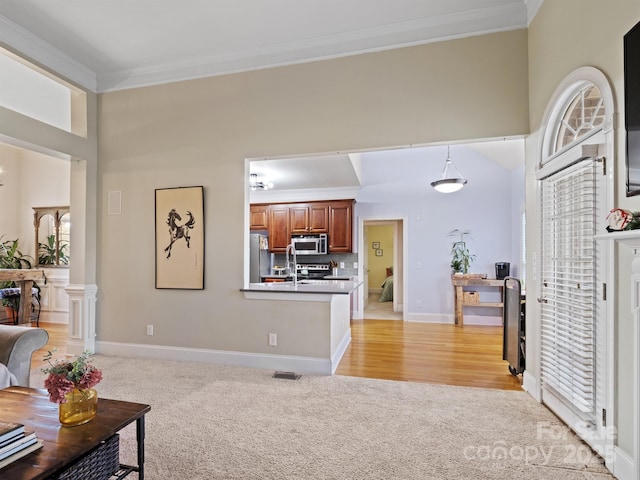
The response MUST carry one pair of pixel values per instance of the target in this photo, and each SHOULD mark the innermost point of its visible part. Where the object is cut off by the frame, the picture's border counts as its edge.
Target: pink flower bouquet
(68, 375)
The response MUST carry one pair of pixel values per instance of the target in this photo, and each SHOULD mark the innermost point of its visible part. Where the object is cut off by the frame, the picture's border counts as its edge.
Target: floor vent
(286, 375)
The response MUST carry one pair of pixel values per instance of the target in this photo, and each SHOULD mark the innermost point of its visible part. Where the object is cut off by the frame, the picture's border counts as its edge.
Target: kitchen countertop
(330, 287)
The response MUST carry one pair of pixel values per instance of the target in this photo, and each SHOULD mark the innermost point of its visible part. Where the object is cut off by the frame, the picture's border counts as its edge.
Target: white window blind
(568, 287)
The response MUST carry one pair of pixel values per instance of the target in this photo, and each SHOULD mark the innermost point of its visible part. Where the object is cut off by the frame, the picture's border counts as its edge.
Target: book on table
(21, 453)
(29, 438)
(10, 430)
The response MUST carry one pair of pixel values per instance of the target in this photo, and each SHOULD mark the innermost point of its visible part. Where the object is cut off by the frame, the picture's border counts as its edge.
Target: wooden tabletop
(62, 445)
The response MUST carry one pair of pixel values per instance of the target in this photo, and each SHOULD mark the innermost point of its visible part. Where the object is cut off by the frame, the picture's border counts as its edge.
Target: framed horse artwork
(180, 238)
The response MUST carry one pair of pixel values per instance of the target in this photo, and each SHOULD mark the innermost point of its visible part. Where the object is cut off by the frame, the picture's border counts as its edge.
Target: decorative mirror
(52, 228)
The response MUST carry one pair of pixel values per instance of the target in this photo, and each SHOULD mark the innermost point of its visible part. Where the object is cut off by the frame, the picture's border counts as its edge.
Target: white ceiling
(117, 44)
(338, 171)
(107, 45)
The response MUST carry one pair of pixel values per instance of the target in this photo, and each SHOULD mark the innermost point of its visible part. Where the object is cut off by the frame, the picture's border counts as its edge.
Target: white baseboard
(342, 347)
(428, 317)
(440, 318)
(622, 467)
(309, 365)
(530, 384)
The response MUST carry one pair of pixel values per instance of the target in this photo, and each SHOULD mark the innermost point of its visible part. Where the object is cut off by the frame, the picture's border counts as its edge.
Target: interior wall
(553, 54)
(200, 132)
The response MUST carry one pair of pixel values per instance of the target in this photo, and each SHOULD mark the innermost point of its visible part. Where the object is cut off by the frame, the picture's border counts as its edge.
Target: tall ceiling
(118, 44)
(107, 45)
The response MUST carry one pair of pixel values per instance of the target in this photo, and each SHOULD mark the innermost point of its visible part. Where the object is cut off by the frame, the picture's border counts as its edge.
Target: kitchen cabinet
(279, 234)
(281, 220)
(259, 217)
(340, 226)
(309, 218)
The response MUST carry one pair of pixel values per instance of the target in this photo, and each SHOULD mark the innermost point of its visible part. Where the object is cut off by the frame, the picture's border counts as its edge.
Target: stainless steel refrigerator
(259, 257)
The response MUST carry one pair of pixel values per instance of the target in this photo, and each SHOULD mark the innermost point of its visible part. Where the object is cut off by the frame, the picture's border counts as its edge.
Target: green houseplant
(12, 258)
(47, 254)
(461, 257)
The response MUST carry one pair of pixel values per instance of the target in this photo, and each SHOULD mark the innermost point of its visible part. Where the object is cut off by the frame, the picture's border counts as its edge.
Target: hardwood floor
(57, 339)
(395, 350)
(428, 352)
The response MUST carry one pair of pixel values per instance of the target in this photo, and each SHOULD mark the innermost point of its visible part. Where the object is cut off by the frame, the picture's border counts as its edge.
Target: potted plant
(47, 254)
(12, 258)
(461, 257)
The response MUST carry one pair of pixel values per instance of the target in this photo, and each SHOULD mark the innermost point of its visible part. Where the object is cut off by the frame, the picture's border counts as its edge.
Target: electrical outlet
(355, 264)
(149, 329)
(419, 303)
(419, 265)
(341, 264)
(273, 339)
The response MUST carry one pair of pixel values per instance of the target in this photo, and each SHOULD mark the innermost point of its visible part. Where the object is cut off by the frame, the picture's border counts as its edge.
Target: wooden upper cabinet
(299, 219)
(340, 226)
(279, 234)
(283, 220)
(259, 217)
(319, 218)
(309, 218)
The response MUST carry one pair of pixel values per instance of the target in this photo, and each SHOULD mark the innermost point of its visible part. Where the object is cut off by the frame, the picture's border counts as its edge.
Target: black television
(632, 107)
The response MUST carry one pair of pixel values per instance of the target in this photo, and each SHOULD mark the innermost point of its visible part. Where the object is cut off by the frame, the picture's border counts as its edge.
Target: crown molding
(366, 40)
(26, 44)
(532, 9)
(306, 195)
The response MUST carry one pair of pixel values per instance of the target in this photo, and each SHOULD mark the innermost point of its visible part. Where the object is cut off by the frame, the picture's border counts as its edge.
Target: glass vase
(81, 406)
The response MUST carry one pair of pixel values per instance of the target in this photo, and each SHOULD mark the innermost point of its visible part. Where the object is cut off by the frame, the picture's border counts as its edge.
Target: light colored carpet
(218, 422)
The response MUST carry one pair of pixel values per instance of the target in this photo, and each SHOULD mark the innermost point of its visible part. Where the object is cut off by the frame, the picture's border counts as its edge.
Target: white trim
(303, 195)
(622, 466)
(488, 320)
(362, 249)
(569, 86)
(309, 365)
(340, 349)
(530, 384)
(365, 40)
(27, 44)
(532, 9)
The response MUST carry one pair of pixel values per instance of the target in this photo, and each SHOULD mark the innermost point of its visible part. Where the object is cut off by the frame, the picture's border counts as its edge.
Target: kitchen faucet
(293, 271)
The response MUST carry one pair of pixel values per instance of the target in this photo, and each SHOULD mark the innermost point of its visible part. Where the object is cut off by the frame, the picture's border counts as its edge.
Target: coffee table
(63, 446)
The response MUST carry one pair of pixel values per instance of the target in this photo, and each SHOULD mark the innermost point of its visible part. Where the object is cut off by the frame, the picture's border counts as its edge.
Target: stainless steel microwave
(315, 244)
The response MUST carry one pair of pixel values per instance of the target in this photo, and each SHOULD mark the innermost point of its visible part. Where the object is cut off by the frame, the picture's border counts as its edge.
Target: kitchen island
(311, 321)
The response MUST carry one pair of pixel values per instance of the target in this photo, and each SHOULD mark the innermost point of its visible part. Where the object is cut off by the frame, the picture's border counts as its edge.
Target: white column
(82, 318)
(635, 314)
(631, 239)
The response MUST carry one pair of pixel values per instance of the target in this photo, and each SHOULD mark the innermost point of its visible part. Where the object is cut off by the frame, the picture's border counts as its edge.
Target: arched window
(584, 114)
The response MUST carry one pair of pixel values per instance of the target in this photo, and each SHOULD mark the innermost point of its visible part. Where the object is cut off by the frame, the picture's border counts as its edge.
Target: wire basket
(99, 464)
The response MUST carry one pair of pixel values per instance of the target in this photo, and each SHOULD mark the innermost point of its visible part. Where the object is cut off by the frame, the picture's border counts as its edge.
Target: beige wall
(565, 35)
(378, 265)
(200, 132)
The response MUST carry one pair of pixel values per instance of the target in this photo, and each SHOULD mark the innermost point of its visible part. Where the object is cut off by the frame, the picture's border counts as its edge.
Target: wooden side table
(460, 282)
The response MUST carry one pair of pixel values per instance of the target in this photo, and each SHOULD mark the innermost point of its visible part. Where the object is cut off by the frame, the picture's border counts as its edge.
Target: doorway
(382, 259)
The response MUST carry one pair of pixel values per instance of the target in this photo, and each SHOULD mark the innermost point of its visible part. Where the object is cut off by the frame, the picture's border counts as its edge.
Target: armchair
(17, 345)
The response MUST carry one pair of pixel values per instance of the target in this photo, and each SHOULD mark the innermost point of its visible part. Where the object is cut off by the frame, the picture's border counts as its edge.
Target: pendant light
(450, 180)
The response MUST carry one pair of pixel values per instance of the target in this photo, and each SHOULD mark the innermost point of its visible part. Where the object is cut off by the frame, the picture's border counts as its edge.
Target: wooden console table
(458, 287)
(63, 446)
(23, 277)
